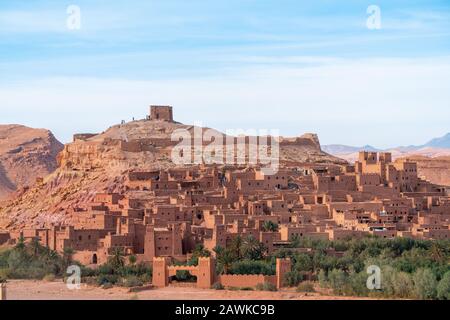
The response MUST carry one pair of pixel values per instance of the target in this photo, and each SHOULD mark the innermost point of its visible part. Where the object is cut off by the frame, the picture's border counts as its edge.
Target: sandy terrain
(41, 290)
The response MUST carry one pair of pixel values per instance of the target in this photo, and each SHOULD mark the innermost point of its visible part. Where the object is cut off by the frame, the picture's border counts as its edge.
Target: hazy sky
(297, 66)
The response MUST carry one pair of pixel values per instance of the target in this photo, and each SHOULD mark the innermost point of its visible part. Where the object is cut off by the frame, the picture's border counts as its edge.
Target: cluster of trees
(198, 252)
(33, 261)
(245, 255)
(417, 269)
(410, 268)
(119, 272)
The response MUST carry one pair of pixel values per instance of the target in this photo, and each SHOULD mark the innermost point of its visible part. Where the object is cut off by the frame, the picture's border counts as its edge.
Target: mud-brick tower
(283, 267)
(206, 272)
(160, 277)
(2, 291)
(162, 113)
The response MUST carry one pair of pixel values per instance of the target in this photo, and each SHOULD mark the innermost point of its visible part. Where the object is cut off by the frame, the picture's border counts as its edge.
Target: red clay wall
(243, 281)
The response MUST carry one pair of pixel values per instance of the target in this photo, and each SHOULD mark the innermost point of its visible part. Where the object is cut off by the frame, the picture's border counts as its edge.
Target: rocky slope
(25, 155)
(99, 164)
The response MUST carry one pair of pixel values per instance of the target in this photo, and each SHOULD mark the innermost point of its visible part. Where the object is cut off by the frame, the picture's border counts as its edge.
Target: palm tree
(35, 247)
(253, 249)
(116, 260)
(67, 256)
(20, 244)
(236, 247)
(269, 226)
(132, 260)
(437, 253)
(224, 259)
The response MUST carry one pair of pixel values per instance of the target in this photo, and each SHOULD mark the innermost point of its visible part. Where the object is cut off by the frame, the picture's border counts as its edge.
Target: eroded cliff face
(100, 163)
(25, 155)
(305, 149)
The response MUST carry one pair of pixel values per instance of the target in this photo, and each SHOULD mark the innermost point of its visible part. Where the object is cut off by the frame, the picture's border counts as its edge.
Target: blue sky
(296, 66)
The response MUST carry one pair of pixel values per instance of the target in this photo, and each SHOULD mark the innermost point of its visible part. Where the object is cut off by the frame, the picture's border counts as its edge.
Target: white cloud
(383, 102)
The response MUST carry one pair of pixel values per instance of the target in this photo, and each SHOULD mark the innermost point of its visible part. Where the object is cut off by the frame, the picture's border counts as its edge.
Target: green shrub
(443, 289)
(245, 267)
(107, 286)
(107, 279)
(337, 280)
(132, 281)
(323, 279)
(425, 284)
(306, 287)
(217, 286)
(293, 278)
(266, 286)
(403, 285)
(146, 278)
(357, 284)
(4, 275)
(49, 277)
(92, 281)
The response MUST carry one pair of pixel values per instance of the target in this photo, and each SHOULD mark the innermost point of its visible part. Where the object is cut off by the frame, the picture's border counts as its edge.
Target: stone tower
(283, 267)
(160, 277)
(162, 113)
(206, 273)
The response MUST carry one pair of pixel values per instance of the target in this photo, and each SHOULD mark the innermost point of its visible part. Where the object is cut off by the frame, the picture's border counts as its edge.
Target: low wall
(243, 281)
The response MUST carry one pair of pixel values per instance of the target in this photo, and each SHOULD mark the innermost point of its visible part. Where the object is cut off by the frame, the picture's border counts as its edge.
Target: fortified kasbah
(119, 189)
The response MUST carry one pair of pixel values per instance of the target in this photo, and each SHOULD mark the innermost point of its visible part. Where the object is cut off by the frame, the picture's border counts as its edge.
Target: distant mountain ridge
(340, 148)
(429, 147)
(442, 142)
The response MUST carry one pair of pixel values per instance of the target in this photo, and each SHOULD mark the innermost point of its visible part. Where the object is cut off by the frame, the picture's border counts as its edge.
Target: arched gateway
(205, 272)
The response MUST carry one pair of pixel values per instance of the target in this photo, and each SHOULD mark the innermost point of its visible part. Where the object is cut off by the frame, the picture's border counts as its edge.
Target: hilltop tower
(162, 113)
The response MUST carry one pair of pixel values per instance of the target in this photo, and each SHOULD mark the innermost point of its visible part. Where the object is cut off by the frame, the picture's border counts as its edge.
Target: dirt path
(41, 290)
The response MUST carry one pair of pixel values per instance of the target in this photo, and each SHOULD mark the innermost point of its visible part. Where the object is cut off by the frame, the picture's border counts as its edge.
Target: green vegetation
(266, 286)
(415, 269)
(185, 276)
(270, 226)
(218, 286)
(33, 261)
(30, 261)
(116, 273)
(307, 287)
(243, 256)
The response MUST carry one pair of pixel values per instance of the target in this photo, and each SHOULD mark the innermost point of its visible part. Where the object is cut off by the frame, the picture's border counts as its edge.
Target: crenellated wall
(244, 281)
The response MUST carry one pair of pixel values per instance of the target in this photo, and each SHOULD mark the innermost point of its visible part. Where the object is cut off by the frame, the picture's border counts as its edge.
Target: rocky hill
(99, 163)
(25, 155)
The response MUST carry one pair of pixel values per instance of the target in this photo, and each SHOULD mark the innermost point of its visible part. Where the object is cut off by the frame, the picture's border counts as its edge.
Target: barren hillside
(100, 163)
(25, 154)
